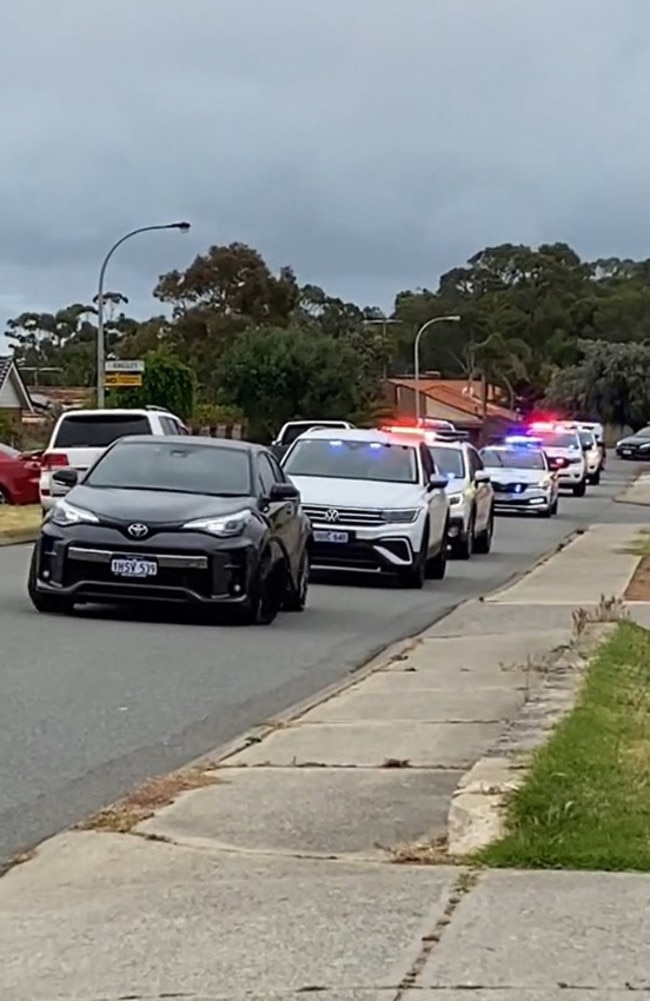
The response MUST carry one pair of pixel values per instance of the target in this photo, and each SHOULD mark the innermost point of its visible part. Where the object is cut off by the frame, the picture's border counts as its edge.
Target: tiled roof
(454, 393)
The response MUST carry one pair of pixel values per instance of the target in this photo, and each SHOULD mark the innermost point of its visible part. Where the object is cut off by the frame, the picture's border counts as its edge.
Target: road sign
(116, 379)
(125, 365)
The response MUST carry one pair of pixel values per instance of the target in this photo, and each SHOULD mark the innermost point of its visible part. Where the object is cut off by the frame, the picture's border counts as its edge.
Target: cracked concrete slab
(103, 915)
(593, 927)
(418, 703)
(370, 744)
(319, 811)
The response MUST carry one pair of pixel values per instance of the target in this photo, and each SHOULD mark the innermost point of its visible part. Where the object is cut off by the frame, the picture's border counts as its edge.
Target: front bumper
(197, 569)
(627, 452)
(385, 547)
(571, 476)
(530, 499)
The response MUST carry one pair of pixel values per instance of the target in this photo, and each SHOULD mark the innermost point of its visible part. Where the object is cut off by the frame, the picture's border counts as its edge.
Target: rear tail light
(54, 460)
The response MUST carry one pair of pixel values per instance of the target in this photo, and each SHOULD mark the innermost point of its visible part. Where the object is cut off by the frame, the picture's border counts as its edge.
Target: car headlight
(223, 525)
(400, 516)
(65, 513)
(455, 499)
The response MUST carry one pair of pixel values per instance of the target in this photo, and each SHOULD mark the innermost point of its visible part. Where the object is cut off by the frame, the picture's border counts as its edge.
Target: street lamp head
(453, 319)
(183, 227)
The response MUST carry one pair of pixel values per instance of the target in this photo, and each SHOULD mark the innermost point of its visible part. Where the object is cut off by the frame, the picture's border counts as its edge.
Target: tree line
(235, 339)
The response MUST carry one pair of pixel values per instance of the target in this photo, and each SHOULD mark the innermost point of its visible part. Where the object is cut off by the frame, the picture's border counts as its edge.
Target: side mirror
(437, 482)
(65, 477)
(482, 476)
(284, 492)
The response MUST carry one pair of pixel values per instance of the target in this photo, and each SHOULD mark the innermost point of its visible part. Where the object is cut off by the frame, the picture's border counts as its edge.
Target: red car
(19, 476)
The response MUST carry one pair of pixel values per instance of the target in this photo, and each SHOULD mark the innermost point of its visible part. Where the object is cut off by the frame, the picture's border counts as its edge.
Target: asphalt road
(93, 704)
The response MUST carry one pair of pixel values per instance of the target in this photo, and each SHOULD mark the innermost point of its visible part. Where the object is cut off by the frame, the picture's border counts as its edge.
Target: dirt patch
(142, 803)
(639, 587)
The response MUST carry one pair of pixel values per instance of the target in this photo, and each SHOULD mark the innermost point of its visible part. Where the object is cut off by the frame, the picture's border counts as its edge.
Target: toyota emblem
(332, 515)
(138, 531)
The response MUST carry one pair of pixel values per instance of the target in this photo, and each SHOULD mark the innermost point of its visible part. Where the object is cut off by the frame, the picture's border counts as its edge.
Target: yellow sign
(115, 380)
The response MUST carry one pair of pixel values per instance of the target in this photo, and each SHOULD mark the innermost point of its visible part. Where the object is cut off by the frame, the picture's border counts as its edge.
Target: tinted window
(513, 458)
(353, 460)
(296, 430)
(98, 430)
(266, 475)
(449, 461)
(168, 425)
(181, 467)
(278, 474)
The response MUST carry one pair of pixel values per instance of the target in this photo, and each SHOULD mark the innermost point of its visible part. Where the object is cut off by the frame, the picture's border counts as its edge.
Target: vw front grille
(344, 515)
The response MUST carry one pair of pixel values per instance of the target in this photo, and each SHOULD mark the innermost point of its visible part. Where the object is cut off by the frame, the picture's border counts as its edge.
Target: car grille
(176, 572)
(510, 488)
(345, 515)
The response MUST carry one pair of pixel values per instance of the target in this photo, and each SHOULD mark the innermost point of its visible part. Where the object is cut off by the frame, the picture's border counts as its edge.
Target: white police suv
(375, 502)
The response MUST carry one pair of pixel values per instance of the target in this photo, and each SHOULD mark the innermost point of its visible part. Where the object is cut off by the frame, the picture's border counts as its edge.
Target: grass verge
(18, 520)
(585, 803)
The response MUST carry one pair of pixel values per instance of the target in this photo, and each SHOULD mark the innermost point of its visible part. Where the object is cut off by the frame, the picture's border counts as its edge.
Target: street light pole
(416, 355)
(183, 227)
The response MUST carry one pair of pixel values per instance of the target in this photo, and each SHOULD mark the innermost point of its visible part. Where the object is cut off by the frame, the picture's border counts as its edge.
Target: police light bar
(521, 439)
(403, 429)
(544, 426)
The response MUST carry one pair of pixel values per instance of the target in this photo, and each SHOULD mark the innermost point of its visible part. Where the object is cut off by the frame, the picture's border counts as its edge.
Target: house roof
(9, 370)
(456, 394)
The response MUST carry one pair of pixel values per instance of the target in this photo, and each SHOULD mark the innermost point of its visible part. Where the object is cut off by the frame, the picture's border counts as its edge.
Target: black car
(202, 521)
(635, 446)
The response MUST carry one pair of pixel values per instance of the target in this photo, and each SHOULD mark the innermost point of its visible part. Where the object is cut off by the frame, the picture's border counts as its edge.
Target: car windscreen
(181, 467)
(449, 461)
(558, 439)
(98, 430)
(512, 458)
(643, 433)
(353, 460)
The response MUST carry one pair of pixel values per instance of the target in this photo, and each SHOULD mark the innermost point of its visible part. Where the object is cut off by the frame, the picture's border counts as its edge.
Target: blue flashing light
(522, 439)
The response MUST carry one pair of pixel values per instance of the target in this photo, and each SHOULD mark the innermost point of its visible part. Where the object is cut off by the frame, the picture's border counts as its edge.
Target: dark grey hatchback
(202, 521)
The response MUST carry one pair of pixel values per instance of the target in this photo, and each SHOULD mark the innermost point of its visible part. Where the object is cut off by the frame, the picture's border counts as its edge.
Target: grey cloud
(371, 144)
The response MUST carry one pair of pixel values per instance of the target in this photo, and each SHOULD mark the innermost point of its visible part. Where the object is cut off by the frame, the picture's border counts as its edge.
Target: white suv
(81, 436)
(375, 502)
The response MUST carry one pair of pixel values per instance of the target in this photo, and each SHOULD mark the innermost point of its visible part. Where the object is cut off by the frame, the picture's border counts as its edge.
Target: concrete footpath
(314, 859)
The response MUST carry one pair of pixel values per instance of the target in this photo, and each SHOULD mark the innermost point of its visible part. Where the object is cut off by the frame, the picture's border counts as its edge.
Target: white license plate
(330, 536)
(626, 451)
(137, 568)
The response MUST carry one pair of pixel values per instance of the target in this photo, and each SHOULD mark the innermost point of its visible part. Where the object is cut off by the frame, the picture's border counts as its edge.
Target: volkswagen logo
(138, 531)
(332, 515)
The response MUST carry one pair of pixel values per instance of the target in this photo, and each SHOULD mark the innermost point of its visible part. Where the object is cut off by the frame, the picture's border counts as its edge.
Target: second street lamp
(183, 227)
(416, 355)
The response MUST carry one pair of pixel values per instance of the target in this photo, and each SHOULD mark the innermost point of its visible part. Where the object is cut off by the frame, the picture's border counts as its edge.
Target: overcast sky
(371, 144)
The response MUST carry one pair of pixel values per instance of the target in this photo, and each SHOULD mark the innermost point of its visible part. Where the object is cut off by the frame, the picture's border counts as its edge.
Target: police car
(470, 493)
(565, 454)
(521, 476)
